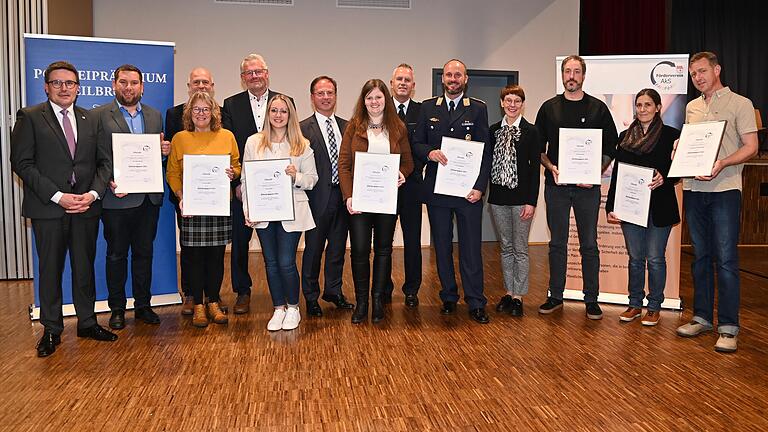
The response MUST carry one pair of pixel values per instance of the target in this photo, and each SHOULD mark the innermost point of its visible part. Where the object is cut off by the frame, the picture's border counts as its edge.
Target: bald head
(200, 79)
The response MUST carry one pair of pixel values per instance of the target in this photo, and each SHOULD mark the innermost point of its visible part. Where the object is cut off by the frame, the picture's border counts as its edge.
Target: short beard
(125, 102)
(445, 89)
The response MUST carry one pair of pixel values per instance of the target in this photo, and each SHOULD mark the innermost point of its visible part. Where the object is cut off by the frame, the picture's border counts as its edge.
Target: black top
(528, 169)
(664, 211)
(587, 113)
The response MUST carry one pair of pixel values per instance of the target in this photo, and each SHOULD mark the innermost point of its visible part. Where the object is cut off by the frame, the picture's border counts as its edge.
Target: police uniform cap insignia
(439, 101)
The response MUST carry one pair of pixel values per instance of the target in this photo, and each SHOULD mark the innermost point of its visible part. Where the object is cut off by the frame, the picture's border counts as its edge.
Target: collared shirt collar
(516, 123)
(455, 100)
(123, 108)
(718, 93)
(397, 104)
(321, 118)
(261, 99)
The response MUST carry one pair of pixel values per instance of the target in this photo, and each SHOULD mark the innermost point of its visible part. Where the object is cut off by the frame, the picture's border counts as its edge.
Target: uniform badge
(468, 137)
(439, 101)
(467, 123)
(434, 119)
(466, 101)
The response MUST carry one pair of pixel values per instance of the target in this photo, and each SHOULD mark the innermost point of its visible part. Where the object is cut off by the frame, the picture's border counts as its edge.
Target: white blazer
(306, 178)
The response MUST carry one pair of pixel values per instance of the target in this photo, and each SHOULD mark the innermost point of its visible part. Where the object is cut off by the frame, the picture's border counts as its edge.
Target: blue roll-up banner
(96, 59)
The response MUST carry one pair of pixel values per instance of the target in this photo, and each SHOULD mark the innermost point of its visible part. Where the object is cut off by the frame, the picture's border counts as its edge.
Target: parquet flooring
(417, 371)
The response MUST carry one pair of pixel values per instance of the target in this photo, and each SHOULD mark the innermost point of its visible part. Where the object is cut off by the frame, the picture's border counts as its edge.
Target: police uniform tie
(334, 152)
(401, 112)
(451, 106)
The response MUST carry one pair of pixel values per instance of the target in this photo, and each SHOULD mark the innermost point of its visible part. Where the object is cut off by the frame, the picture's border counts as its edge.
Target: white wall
(314, 37)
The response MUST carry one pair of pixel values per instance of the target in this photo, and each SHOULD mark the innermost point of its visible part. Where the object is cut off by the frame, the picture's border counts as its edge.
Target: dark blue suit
(468, 121)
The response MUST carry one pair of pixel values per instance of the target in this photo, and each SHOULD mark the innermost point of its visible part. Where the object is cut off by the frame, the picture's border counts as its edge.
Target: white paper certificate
(580, 156)
(269, 191)
(633, 196)
(137, 163)
(374, 182)
(697, 149)
(206, 185)
(458, 177)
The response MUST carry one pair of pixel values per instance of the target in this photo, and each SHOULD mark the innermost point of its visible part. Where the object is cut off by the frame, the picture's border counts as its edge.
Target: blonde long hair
(296, 140)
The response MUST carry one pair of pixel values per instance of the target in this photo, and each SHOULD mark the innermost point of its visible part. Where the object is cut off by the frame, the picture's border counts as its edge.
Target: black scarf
(640, 143)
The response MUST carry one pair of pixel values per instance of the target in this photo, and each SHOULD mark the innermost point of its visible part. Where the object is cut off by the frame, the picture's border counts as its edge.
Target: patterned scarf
(504, 169)
(640, 143)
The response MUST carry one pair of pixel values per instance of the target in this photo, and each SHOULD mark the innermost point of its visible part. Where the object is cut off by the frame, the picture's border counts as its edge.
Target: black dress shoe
(47, 344)
(314, 309)
(96, 332)
(117, 320)
(411, 300)
(479, 315)
(339, 301)
(448, 308)
(147, 315)
(516, 308)
(377, 314)
(504, 304)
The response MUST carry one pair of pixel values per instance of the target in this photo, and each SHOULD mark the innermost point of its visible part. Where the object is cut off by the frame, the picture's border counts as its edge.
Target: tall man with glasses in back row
(55, 152)
(244, 114)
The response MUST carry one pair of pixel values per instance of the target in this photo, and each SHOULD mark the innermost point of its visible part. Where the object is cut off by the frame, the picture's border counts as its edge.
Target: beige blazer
(306, 178)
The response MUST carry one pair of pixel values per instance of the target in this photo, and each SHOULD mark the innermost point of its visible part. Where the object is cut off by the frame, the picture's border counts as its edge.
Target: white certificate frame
(269, 194)
(458, 177)
(374, 182)
(697, 149)
(137, 163)
(632, 200)
(206, 186)
(580, 156)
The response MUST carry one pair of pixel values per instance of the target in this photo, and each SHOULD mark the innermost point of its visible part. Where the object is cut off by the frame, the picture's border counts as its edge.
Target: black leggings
(361, 228)
(204, 271)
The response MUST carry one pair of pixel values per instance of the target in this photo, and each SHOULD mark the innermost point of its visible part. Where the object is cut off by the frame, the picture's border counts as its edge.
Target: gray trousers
(513, 238)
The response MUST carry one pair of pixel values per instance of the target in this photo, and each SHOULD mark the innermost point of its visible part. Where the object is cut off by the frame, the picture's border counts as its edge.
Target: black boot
(361, 307)
(378, 308)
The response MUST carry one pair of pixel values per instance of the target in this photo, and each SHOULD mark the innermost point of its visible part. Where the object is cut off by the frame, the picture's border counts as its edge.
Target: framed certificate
(458, 176)
(269, 191)
(633, 196)
(137, 163)
(206, 186)
(374, 182)
(580, 156)
(697, 149)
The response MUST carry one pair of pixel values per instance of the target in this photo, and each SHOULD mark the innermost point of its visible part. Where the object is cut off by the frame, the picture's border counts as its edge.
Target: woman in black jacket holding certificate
(648, 142)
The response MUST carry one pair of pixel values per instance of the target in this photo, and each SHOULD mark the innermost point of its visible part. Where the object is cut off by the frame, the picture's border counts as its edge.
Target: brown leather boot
(216, 314)
(188, 308)
(199, 319)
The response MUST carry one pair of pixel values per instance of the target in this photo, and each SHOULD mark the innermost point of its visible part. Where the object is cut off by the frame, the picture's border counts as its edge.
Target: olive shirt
(739, 113)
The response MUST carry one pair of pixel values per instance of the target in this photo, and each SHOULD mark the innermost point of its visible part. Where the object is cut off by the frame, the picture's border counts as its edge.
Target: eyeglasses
(253, 72)
(69, 84)
(201, 110)
(512, 102)
(325, 93)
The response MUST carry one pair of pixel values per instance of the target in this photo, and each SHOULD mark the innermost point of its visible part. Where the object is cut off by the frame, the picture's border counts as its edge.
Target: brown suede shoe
(188, 308)
(216, 314)
(651, 318)
(199, 319)
(630, 314)
(242, 304)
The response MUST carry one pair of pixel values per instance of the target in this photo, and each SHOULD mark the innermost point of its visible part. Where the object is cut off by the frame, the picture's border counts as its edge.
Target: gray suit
(130, 223)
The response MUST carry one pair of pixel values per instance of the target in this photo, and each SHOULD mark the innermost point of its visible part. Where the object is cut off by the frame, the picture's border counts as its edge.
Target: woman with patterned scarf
(648, 142)
(514, 191)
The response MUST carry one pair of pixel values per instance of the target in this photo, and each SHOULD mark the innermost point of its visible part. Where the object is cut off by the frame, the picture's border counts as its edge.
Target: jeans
(361, 227)
(513, 238)
(278, 247)
(586, 205)
(646, 245)
(713, 221)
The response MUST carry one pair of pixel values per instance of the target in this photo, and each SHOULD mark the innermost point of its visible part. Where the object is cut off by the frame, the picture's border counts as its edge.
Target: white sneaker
(276, 323)
(292, 318)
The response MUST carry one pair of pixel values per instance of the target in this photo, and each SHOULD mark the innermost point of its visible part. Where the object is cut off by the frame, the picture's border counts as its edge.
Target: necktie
(401, 112)
(69, 133)
(334, 152)
(451, 106)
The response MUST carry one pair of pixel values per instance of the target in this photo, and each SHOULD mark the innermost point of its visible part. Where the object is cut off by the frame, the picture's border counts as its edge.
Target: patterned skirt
(206, 231)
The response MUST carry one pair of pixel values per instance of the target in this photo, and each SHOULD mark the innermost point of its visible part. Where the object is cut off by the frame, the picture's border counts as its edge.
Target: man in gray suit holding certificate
(130, 220)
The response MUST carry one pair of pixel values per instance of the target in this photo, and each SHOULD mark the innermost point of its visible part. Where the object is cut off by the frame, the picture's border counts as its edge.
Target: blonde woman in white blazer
(282, 138)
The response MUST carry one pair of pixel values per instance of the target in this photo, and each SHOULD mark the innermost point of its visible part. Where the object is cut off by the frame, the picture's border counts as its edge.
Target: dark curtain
(622, 27)
(736, 32)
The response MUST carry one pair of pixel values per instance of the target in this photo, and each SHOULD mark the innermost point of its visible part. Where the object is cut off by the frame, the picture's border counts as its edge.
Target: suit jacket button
(451, 129)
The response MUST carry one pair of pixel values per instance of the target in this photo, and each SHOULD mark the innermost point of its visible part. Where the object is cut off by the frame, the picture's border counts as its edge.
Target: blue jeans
(586, 205)
(278, 248)
(646, 245)
(713, 221)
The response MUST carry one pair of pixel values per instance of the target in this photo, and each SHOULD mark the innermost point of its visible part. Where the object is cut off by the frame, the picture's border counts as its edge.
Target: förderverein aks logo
(664, 74)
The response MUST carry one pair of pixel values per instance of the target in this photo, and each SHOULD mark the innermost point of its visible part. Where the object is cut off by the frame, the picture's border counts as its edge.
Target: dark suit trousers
(469, 224)
(410, 224)
(131, 229)
(241, 238)
(332, 227)
(53, 237)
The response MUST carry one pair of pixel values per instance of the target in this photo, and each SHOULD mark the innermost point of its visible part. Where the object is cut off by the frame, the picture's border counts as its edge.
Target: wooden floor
(418, 371)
